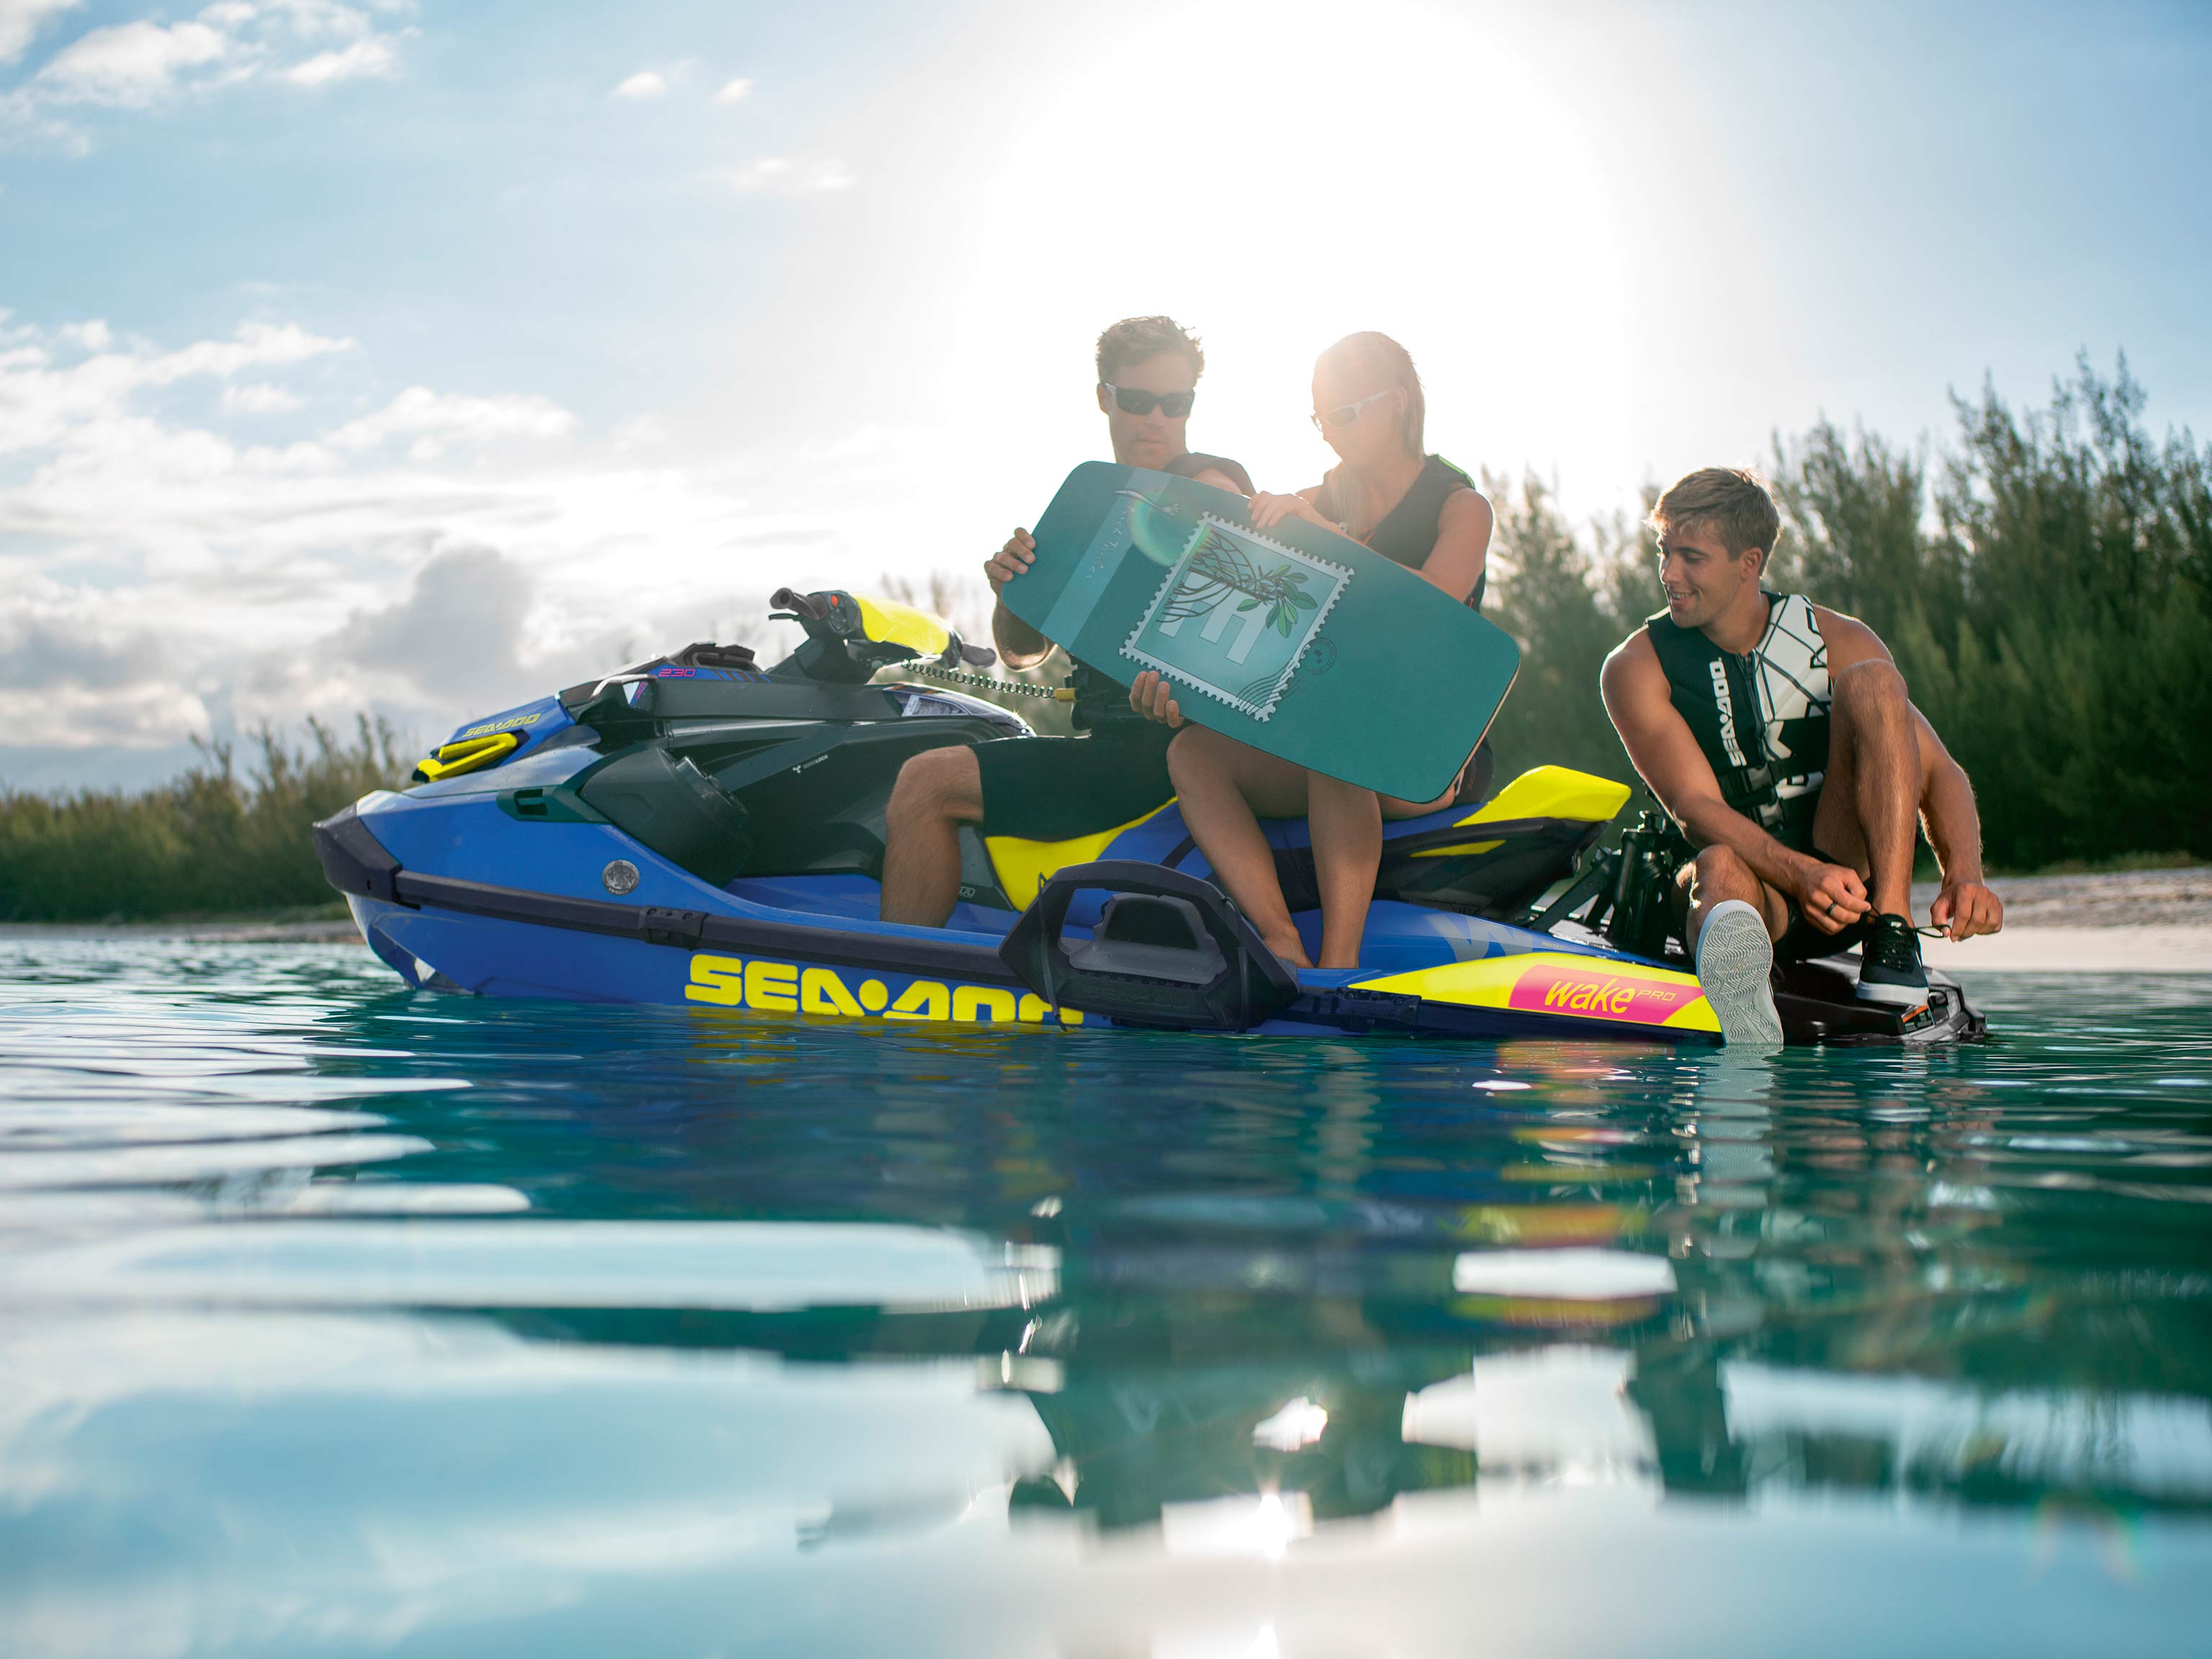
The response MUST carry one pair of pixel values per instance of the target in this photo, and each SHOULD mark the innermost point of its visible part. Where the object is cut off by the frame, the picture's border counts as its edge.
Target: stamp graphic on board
(1237, 615)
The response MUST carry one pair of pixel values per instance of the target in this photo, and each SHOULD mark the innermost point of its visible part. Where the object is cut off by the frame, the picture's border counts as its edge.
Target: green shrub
(207, 843)
(2043, 583)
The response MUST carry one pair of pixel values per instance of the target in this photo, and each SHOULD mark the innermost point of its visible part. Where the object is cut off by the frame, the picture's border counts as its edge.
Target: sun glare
(1280, 176)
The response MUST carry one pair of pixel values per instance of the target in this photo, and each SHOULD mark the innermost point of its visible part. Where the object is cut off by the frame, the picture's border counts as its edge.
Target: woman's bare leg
(1345, 823)
(1225, 786)
(1216, 779)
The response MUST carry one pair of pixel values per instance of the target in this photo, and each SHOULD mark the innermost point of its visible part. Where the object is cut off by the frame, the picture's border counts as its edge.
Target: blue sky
(420, 356)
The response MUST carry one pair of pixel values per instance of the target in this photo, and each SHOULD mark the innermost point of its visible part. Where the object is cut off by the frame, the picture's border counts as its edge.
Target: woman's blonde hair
(1383, 355)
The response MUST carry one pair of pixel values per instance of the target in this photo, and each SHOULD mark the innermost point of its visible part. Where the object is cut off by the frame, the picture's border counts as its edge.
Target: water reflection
(987, 1308)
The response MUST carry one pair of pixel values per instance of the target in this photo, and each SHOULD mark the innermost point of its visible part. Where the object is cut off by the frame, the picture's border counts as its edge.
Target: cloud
(376, 57)
(45, 400)
(440, 555)
(434, 418)
(646, 84)
(259, 399)
(137, 65)
(20, 18)
(458, 629)
(131, 64)
(787, 175)
(734, 91)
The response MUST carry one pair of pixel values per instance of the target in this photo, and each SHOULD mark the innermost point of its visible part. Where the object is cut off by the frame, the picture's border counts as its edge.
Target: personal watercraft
(697, 829)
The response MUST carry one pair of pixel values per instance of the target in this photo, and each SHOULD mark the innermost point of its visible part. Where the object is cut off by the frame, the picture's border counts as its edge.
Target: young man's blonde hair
(1728, 500)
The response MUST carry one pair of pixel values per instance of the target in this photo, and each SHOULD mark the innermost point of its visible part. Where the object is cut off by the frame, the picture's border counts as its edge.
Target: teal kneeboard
(1297, 640)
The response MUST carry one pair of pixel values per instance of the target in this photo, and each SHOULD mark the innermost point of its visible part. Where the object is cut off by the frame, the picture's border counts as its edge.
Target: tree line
(2042, 576)
(218, 840)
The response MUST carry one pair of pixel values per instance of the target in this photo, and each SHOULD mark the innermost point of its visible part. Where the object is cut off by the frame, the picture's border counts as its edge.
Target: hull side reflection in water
(517, 1327)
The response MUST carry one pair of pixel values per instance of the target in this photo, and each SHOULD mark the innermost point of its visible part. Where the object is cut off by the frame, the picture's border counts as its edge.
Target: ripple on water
(511, 1326)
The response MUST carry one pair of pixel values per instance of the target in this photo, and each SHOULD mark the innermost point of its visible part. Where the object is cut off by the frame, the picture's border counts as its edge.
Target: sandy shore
(2135, 921)
(2148, 921)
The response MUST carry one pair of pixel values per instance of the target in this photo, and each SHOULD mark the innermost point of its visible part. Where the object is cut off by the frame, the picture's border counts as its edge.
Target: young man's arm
(1665, 756)
(1965, 906)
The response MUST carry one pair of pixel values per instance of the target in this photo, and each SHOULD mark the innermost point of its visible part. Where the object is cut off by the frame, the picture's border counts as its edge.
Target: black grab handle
(1253, 983)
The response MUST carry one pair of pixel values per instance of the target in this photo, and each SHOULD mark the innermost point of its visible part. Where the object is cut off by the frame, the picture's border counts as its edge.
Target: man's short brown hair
(1728, 500)
(1135, 338)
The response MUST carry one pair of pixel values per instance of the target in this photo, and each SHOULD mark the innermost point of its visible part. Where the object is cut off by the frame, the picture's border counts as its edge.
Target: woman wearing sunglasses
(1414, 509)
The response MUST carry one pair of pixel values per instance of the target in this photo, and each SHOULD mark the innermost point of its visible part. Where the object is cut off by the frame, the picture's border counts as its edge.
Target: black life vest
(1760, 717)
(1191, 463)
(1406, 534)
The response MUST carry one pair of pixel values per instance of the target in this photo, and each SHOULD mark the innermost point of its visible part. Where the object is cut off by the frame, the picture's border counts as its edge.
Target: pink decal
(1594, 993)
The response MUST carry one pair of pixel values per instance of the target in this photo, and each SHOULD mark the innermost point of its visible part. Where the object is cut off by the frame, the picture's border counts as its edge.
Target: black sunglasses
(1172, 404)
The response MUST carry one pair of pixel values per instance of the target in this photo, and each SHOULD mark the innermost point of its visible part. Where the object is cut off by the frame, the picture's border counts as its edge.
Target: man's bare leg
(1870, 799)
(1716, 876)
(1869, 816)
(937, 792)
(1734, 919)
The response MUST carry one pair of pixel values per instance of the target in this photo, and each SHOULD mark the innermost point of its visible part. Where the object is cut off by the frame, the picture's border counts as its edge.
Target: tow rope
(1016, 688)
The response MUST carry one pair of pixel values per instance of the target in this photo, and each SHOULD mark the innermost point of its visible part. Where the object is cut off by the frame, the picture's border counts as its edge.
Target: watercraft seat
(1487, 860)
(765, 798)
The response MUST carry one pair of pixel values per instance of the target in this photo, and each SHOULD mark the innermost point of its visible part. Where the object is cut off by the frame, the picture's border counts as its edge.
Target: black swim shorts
(1055, 789)
(1800, 940)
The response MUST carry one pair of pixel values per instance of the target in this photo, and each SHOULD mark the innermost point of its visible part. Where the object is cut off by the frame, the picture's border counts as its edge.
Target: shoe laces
(1894, 942)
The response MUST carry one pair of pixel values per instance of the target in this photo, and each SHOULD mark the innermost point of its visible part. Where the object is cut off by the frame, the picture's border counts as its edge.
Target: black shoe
(1890, 968)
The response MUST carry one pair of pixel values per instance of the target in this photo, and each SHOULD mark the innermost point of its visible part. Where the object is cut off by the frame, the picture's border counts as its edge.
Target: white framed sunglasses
(1346, 414)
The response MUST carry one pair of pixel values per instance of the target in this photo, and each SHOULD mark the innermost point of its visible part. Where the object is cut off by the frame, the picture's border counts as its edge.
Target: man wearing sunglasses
(1054, 788)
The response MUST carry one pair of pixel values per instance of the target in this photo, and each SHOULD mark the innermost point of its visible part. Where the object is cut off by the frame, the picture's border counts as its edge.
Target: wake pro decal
(1557, 987)
(784, 987)
(1258, 606)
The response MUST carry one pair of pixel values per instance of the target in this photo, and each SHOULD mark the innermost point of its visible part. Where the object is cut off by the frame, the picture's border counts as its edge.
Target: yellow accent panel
(470, 754)
(1558, 983)
(888, 623)
(1025, 866)
(1469, 847)
(1553, 792)
(1483, 983)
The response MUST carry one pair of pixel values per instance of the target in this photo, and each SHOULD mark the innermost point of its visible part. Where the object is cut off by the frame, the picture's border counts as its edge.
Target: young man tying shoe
(1779, 735)
(1052, 788)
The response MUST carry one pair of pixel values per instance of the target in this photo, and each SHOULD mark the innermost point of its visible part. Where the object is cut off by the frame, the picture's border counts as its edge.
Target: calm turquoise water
(336, 1319)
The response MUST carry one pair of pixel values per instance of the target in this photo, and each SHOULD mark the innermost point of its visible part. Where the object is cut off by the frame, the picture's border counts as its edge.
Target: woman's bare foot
(1290, 947)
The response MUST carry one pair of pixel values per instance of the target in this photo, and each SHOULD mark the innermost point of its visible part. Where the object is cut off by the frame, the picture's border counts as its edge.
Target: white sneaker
(1735, 966)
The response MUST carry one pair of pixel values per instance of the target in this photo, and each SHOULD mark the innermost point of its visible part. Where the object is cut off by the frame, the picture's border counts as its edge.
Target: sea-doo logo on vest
(1236, 616)
(1726, 703)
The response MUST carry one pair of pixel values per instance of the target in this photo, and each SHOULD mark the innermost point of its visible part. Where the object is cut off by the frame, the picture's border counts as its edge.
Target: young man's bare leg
(937, 792)
(1870, 799)
(1869, 815)
(1217, 780)
(1732, 920)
